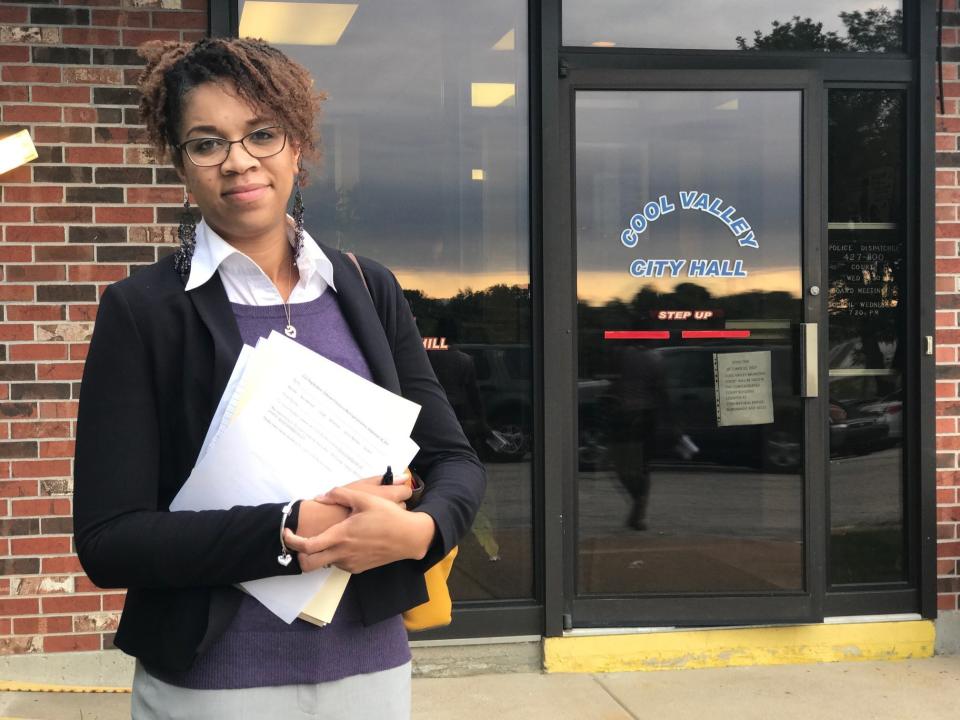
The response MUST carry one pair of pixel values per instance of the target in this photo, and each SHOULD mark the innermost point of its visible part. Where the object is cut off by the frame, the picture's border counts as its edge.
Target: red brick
(947, 143)
(13, 93)
(31, 113)
(16, 253)
(58, 134)
(14, 54)
(64, 253)
(134, 38)
(18, 488)
(96, 155)
(67, 564)
(40, 546)
(45, 351)
(40, 468)
(14, 15)
(946, 177)
(65, 213)
(19, 606)
(120, 18)
(71, 604)
(106, 273)
(78, 351)
(34, 233)
(33, 194)
(59, 371)
(13, 214)
(60, 94)
(31, 74)
(82, 313)
(16, 293)
(70, 643)
(79, 115)
(11, 331)
(42, 625)
(947, 602)
(59, 409)
(34, 273)
(948, 514)
(114, 601)
(57, 448)
(83, 584)
(124, 214)
(22, 430)
(22, 175)
(181, 20)
(91, 36)
(153, 195)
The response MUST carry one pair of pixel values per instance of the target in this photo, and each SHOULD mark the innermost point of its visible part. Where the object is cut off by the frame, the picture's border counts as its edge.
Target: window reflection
(425, 169)
(674, 496)
(824, 25)
(866, 331)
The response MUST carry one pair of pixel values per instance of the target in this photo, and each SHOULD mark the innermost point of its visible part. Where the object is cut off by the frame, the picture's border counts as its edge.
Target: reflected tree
(874, 30)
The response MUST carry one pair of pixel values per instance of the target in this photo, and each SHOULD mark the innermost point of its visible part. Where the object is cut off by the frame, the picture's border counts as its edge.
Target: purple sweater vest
(259, 649)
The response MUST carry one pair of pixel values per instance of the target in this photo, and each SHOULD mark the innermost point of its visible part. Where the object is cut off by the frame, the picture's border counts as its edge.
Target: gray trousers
(381, 695)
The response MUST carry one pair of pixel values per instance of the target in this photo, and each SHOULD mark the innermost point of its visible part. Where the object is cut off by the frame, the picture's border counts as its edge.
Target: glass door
(698, 478)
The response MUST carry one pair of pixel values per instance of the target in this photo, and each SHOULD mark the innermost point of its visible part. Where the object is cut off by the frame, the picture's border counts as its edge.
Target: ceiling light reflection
(293, 23)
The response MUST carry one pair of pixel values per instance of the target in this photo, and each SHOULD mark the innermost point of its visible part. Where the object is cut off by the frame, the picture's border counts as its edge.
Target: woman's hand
(316, 516)
(377, 532)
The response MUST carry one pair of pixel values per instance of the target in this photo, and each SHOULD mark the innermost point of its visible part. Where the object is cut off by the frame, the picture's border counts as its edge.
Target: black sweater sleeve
(124, 537)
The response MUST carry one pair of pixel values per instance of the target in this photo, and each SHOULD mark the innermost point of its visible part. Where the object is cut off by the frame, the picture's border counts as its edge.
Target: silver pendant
(290, 331)
(284, 559)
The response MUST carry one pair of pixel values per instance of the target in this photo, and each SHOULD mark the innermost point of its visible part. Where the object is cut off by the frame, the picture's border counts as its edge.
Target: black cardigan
(158, 363)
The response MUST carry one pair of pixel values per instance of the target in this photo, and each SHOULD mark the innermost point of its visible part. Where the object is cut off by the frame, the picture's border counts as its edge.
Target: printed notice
(744, 389)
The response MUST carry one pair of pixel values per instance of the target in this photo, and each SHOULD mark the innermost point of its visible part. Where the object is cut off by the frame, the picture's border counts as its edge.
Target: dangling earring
(187, 233)
(297, 216)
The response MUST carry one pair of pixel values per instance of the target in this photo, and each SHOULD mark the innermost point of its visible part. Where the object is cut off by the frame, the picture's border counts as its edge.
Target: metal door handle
(809, 361)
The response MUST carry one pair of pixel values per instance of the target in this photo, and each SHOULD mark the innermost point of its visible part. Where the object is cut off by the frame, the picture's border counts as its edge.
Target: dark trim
(687, 611)
(925, 187)
(558, 315)
(537, 256)
(224, 20)
(845, 68)
(875, 602)
(503, 619)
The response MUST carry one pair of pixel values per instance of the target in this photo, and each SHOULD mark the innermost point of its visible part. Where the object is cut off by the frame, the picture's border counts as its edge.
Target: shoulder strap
(353, 259)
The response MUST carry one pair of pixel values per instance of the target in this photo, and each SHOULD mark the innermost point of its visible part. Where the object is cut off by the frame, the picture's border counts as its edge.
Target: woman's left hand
(376, 533)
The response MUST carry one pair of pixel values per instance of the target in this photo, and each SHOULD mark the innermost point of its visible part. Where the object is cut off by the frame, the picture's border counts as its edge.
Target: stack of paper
(292, 424)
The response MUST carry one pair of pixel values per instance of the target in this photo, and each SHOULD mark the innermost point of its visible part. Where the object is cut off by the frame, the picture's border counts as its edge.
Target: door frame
(560, 366)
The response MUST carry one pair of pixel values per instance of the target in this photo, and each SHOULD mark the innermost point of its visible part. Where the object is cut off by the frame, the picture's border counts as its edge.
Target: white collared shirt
(245, 282)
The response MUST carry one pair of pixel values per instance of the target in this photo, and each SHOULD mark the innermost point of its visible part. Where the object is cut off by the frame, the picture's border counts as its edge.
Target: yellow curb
(716, 648)
(19, 686)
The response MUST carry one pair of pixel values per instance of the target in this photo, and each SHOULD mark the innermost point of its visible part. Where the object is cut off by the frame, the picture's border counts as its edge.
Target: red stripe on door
(714, 334)
(636, 334)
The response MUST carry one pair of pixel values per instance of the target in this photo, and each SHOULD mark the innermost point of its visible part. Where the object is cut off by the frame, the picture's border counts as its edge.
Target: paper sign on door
(744, 388)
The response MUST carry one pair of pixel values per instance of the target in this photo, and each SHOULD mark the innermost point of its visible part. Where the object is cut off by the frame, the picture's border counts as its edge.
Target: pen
(387, 478)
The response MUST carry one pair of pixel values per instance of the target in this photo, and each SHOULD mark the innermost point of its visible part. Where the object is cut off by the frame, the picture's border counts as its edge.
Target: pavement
(896, 690)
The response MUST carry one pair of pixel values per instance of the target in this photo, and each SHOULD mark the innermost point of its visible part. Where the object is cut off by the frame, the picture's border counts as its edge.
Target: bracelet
(284, 558)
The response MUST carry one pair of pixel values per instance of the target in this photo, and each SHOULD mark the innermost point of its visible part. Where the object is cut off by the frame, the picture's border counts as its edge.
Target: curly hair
(263, 76)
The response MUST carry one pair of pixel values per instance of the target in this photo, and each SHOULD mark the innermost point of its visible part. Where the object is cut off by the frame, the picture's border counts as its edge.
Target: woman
(237, 119)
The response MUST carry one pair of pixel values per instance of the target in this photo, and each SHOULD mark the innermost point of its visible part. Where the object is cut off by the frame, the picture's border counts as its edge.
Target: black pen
(387, 478)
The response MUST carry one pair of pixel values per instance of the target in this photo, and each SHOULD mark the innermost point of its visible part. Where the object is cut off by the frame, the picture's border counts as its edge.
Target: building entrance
(698, 483)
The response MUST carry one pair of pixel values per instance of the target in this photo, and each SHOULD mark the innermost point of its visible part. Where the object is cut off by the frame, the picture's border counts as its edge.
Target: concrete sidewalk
(906, 690)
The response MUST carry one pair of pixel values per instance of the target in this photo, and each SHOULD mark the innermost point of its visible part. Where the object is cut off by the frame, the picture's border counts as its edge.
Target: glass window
(826, 25)
(688, 224)
(867, 334)
(425, 169)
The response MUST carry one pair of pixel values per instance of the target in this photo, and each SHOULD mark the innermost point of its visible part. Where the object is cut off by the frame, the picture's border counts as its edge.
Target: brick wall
(948, 328)
(87, 212)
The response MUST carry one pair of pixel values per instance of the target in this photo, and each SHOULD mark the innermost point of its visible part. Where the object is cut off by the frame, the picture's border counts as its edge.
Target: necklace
(290, 331)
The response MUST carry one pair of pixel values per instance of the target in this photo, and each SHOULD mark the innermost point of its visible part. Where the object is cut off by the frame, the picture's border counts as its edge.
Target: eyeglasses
(212, 151)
